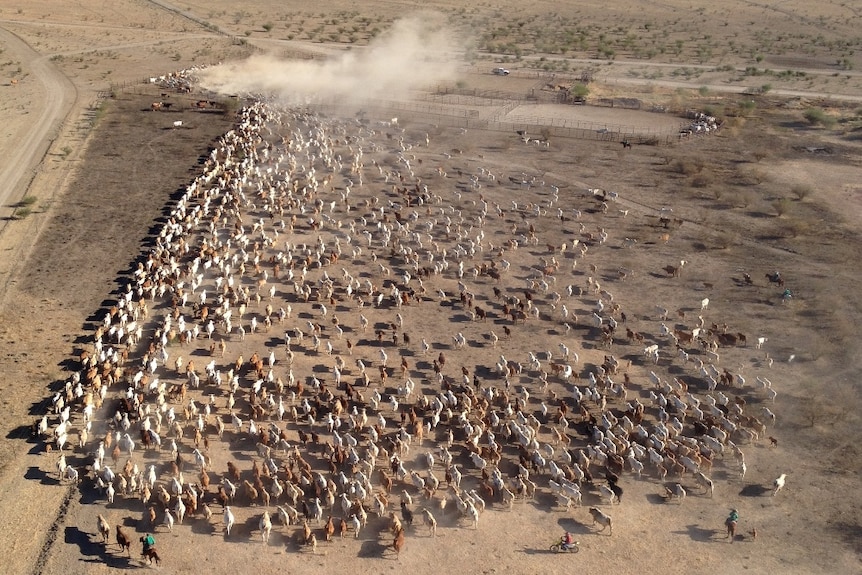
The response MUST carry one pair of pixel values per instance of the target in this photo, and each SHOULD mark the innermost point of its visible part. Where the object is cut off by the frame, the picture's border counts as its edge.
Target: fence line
(395, 106)
(531, 125)
(437, 108)
(590, 125)
(465, 100)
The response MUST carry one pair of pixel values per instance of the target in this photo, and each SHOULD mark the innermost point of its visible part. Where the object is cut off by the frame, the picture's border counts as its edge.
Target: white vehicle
(500, 71)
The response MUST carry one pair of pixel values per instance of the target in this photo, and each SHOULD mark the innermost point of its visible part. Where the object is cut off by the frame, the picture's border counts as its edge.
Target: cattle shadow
(127, 503)
(26, 432)
(88, 496)
(239, 452)
(656, 498)
(850, 533)
(697, 533)
(723, 474)
(203, 527)
(677, 371)
(372, 548)
(250, 526)
(83, 338)
(135, 524)
(574, 526)
(95, 551)
(34, 473)
(237, 534)
(754, 490)
(151, 454)
(37, 447)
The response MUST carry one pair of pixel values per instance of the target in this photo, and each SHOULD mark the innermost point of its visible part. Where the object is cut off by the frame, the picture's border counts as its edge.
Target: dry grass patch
(703, 180)
(780, 206)
(801, 191)
(723, 240)
(793, 228)
(752, 176)
(687, 166)
(738, 198)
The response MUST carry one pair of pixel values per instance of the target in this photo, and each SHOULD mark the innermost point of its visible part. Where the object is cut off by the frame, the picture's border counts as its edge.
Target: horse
(123, 540)
(731, 528)
(151, 554)
(776, 278)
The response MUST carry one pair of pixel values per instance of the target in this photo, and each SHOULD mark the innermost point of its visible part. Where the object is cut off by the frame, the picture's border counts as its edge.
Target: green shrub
(580, 89)
(816, 116)
(746, 107)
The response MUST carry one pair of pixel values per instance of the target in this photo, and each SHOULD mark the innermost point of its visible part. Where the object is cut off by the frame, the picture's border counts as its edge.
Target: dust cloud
(415, 53)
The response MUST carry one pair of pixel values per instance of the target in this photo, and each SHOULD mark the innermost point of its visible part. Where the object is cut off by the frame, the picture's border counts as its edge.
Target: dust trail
(417, 52)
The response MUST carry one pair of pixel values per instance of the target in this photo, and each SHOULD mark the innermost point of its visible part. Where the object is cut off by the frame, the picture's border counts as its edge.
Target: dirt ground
(766, 193)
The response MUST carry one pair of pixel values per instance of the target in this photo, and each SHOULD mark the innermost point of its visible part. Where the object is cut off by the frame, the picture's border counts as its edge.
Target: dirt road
(54, 99)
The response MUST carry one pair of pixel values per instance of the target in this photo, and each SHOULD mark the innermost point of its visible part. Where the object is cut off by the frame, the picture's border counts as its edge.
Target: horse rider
(149, 543)
(733, 517)
(730, 523)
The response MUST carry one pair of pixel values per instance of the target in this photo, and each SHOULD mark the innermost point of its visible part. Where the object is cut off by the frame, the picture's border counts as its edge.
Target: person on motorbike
(567, 541)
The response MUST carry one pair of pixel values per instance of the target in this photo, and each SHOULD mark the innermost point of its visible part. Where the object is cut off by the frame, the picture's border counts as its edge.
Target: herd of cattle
(378, 327)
